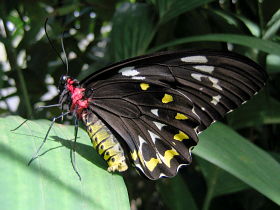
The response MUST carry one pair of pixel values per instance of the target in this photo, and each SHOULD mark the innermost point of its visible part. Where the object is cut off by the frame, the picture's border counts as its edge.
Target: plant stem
(211, 187)
(261, 19)
(11, 55)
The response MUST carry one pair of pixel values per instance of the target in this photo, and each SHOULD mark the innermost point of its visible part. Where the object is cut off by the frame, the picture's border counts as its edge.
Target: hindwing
(157, 104)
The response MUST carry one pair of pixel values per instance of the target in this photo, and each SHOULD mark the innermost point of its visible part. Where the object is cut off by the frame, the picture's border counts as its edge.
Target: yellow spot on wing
(134, 155)
(180, 116)
(167, 98)
(181, 136)
(144, 86)
(152, 163)
(168, 155)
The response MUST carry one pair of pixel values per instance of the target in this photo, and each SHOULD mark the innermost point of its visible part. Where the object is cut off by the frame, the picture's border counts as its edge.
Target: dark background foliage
(100, 32)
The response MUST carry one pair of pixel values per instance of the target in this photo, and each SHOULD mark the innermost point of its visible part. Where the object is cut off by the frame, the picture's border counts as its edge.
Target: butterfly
(149, 110)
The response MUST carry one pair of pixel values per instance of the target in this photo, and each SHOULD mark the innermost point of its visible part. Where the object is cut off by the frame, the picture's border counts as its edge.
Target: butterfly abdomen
(104, 142)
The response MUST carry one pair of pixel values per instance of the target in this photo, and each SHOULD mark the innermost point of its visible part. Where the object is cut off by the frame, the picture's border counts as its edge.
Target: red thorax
(77, 96)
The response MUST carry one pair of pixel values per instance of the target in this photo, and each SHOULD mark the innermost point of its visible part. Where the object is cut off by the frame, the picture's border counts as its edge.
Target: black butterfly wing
(157, 104)
(158, 132)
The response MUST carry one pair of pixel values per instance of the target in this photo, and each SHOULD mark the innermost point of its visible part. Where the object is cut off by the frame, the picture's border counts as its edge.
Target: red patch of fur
(78, 103)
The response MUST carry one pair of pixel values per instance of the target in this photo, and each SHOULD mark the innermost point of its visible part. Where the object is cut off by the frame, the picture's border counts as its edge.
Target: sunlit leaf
(223, 147)
(50, 182)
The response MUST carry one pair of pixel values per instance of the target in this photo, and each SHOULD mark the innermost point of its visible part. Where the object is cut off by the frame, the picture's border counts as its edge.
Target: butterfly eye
(62, 82)
(64, 78)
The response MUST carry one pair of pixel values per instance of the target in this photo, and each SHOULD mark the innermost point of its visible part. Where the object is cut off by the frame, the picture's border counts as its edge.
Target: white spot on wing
(155, 112)
(213, 122)
(212, 79)
(181, 166)
(203, 108)
(162, 175)
(140, 78)
(139, 167)
(208, 69)
(216, 99)
(159, 125)
(195, 59)
(193, 111)
(128, 71)
(197, 76)
(141, 142)
(153, 136)
(215, 83)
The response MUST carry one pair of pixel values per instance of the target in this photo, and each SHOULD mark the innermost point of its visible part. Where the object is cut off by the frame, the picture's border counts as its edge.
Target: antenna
(51, 43)
(63, 49)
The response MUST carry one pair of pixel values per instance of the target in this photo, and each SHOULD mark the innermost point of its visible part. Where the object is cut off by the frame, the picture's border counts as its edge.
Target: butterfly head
(62, 83)
(65, 96)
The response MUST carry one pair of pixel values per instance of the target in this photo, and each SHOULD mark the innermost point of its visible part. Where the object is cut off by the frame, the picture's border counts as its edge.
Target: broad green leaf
(259, 110)
(176, 194)
(219, 182)
(171, 9)
(223, 147)
(248, 41)
(50, 182)
(132, 32)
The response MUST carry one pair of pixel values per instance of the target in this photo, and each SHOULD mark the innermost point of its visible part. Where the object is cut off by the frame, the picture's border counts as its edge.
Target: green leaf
(223, 147)
(252, 26)
(132, 32)
(273, 25)
(261, 109)
(171, 9)
(248, 41)
(273, 63)
(176, 194)
(67, 9)
(50, 182)
(225, 183)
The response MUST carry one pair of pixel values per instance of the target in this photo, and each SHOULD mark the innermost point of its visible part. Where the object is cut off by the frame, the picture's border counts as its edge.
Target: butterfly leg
(45, 139)
(21, 124)
(73, 149)
(40, 107)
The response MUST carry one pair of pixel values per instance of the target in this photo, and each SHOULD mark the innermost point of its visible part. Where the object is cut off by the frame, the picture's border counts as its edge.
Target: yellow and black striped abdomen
(105, 143)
